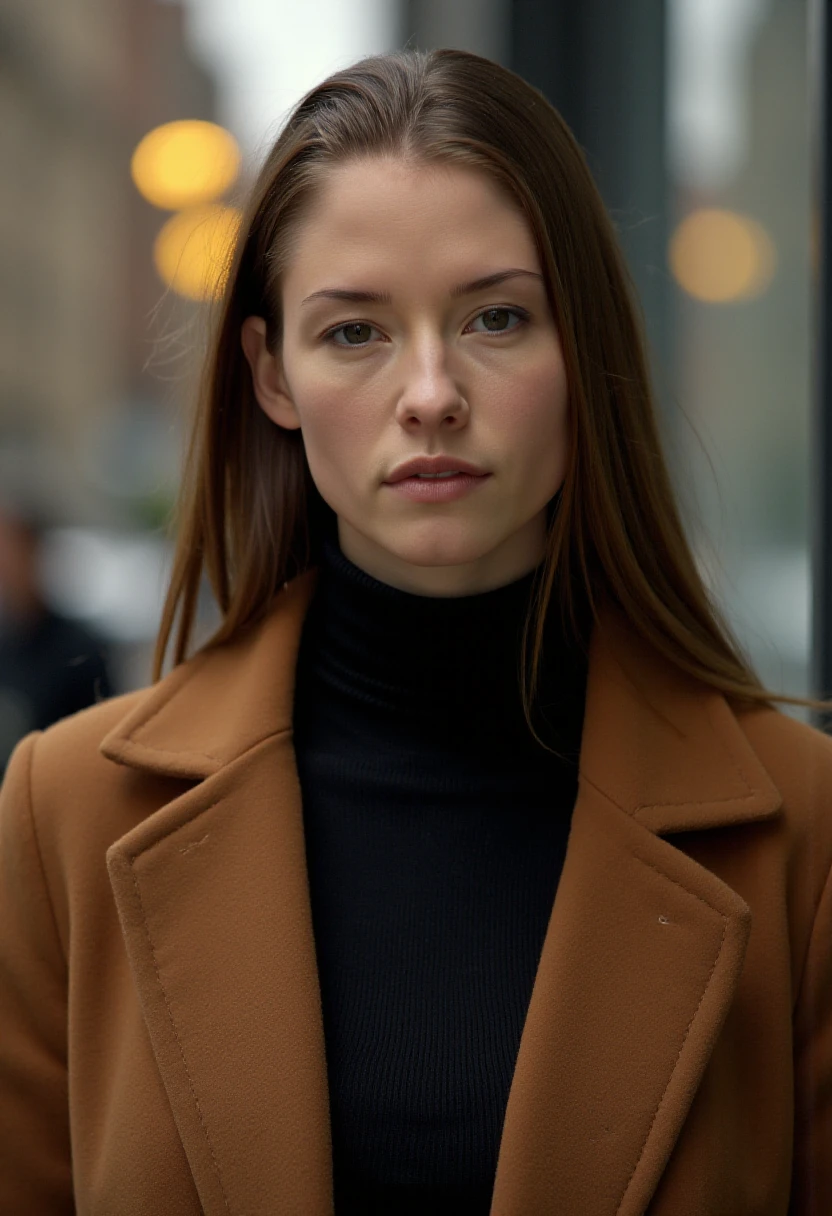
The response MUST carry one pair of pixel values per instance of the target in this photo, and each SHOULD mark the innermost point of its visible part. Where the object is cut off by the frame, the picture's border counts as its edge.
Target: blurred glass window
(740, 256)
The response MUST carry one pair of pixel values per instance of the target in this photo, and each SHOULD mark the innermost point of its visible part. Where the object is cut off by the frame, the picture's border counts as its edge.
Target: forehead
(389, 214)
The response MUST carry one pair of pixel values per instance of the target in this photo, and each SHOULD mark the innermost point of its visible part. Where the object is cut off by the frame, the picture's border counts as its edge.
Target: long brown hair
(250, 516)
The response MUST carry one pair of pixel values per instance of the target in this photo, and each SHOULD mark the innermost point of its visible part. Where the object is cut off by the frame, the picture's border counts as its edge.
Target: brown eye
(356, 333)
(498, 320)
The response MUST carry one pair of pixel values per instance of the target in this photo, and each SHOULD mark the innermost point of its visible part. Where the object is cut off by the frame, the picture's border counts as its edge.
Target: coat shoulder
(80, 801)
(89, 726)
(798, 758)
(61, 792)
(72, 745)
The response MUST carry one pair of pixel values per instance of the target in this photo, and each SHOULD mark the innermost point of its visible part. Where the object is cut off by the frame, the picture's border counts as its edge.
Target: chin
(464, 558)
(429, 545)
(439, 556)
(440, 553)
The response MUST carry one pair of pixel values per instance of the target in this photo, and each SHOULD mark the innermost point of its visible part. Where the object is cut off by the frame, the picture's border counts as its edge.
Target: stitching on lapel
(708, 982)
(176, 1034)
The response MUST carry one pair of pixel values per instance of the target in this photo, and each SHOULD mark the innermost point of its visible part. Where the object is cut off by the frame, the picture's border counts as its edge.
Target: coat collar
(221, 703)
(669, 753)
(638, 969)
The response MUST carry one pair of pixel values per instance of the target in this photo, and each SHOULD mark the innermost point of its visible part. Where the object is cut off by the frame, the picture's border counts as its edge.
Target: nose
(431, 396)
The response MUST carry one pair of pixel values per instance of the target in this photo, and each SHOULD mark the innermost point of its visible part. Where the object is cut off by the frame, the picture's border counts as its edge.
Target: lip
(438, 490)
(434, 464)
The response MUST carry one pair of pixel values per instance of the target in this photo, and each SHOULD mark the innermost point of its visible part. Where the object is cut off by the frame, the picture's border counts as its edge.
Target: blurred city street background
(695, 116)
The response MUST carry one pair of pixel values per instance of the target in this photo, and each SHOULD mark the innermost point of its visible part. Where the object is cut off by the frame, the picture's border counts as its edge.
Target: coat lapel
(212, 897)
(638, 970)
(636, 976)
(644, 947)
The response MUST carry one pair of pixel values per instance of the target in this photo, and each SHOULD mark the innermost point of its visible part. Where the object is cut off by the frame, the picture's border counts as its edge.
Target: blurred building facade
(79, 85)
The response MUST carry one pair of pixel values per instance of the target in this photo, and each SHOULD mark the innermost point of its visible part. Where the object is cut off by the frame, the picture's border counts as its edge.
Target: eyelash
(520, 313)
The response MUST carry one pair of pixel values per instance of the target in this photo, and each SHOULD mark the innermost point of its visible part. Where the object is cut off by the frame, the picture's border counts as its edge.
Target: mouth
(439, 467)
(438, 487)
(438, 476)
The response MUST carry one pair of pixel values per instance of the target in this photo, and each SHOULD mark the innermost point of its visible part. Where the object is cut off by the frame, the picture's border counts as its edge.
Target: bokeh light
(193, 250)
(184, 163)
(720, 256)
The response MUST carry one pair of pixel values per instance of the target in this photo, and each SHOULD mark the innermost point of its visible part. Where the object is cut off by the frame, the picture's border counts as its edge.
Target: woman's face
(392, 350)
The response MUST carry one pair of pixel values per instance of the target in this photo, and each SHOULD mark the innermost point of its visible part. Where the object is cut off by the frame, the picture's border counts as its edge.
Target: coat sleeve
(35, 1164)
(812, 1174)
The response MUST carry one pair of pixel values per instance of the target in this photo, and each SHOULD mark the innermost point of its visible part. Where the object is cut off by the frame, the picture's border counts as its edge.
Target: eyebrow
(383, 297)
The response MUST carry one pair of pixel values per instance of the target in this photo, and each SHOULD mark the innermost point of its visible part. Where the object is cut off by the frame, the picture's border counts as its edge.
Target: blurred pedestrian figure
(50, 666)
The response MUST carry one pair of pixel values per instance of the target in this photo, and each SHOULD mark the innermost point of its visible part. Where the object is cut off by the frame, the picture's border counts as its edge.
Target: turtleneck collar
(445, 665)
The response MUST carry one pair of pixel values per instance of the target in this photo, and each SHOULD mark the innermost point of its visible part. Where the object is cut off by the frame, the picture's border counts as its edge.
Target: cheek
(337, 427)
(540, 412)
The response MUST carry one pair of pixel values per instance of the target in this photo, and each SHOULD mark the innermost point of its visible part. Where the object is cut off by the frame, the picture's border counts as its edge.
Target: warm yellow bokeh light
(719, 256)
(193, 250)
(185, 163)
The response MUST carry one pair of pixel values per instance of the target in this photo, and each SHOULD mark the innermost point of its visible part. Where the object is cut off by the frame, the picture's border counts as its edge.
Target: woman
(389, 899)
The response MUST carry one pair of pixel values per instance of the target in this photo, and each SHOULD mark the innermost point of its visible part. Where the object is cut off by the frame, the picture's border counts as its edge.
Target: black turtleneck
(436, 828)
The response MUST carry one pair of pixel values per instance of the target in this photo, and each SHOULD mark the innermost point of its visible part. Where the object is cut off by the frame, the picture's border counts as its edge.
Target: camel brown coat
(161, 1043)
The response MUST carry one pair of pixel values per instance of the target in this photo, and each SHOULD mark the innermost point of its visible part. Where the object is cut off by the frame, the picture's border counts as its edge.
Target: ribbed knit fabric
(436, 828)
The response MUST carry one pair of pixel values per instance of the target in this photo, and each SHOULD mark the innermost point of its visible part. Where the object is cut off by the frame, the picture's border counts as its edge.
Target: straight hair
(250, 518)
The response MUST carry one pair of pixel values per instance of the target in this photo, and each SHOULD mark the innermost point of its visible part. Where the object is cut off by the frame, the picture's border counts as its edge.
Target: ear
(270, 387)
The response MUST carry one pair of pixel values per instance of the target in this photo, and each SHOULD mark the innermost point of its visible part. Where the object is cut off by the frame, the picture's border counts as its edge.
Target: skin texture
(432, 375)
